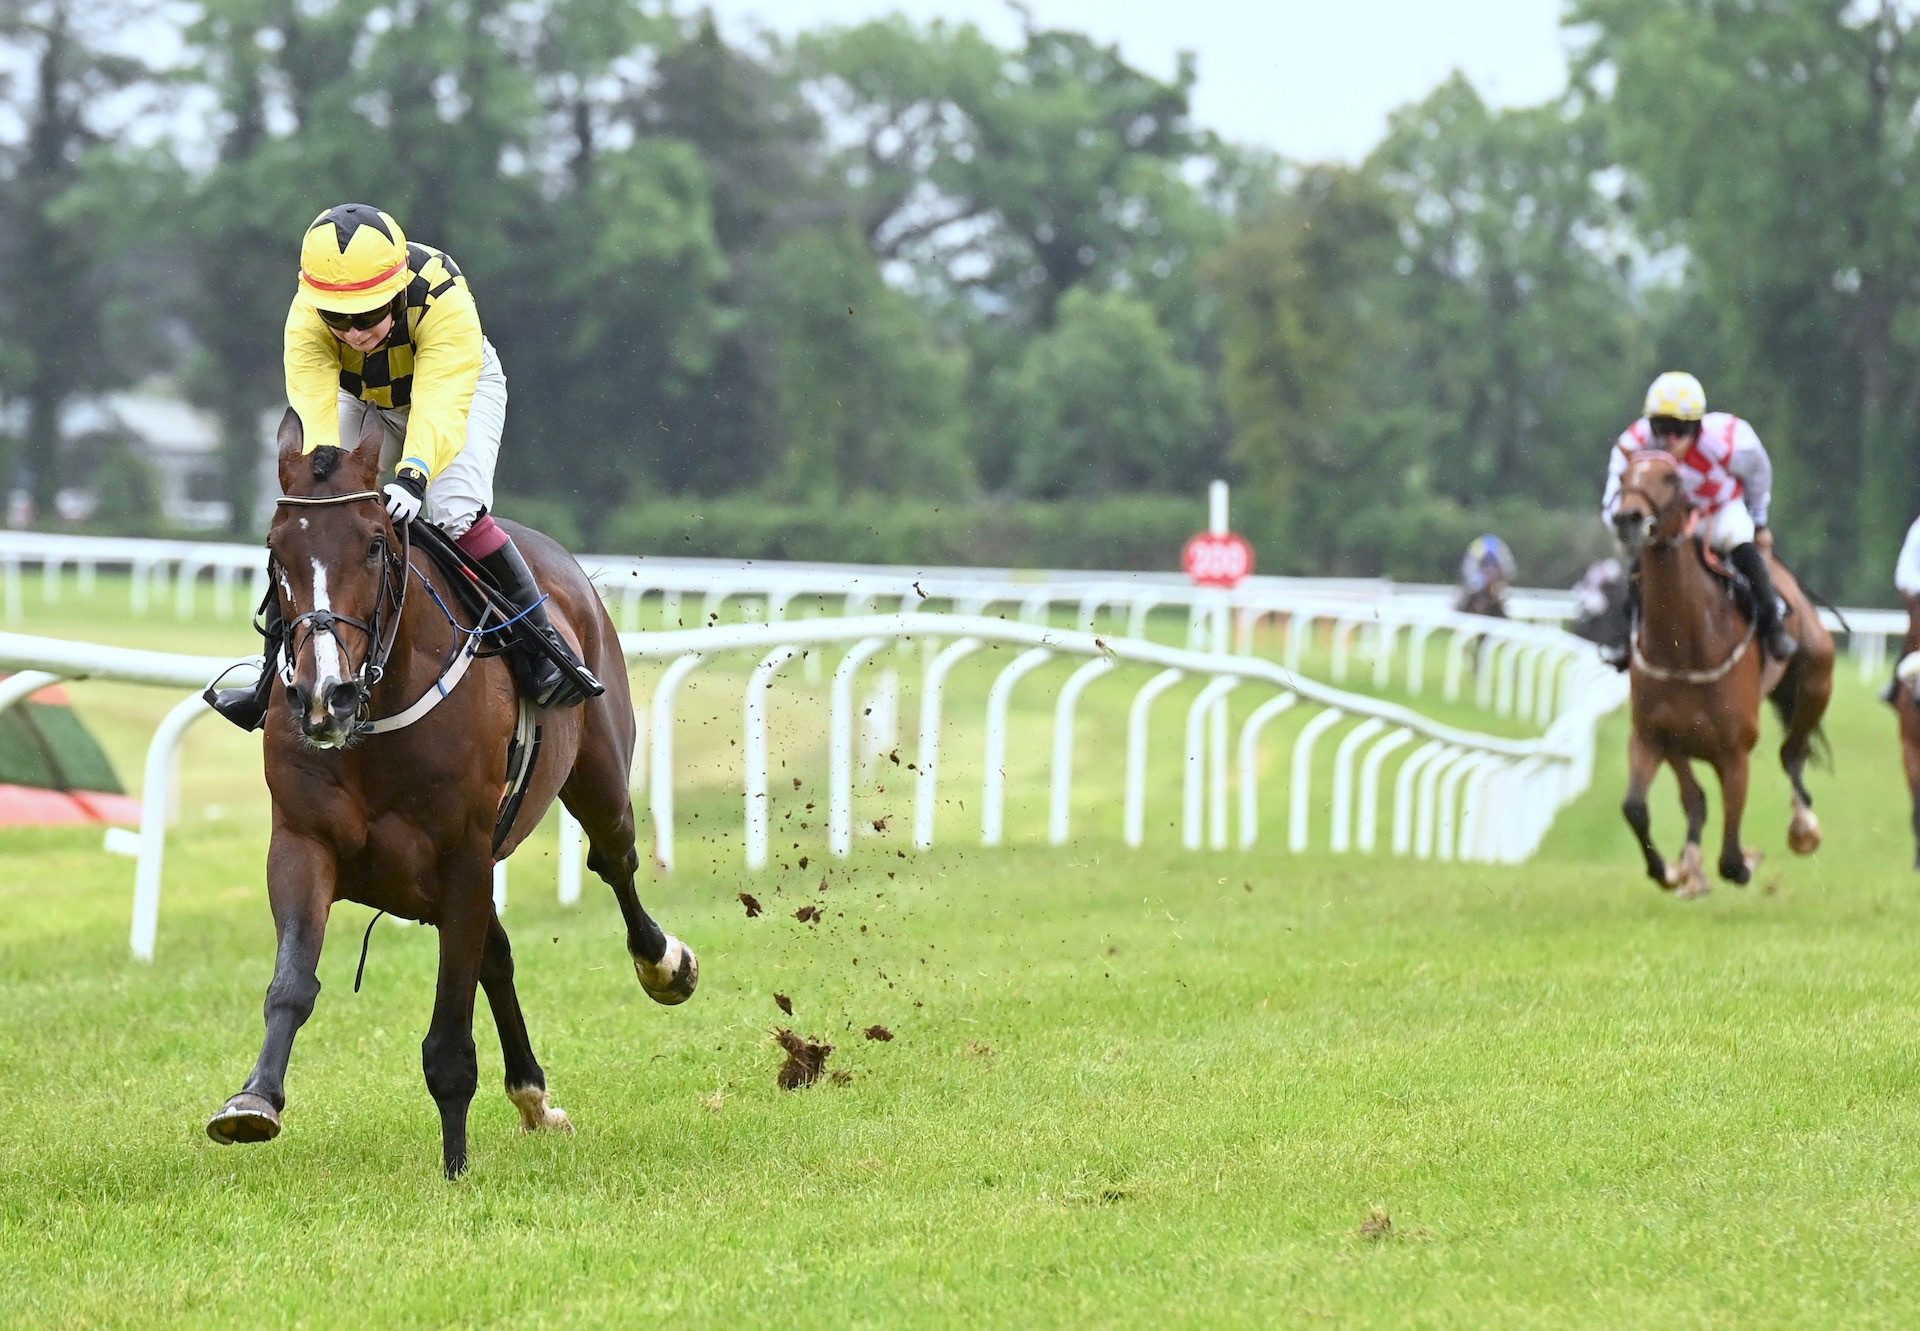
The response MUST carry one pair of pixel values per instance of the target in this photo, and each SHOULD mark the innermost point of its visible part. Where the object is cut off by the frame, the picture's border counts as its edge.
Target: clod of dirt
(807, 914)
(1378, 1225)
(880, 824)
(840, 1077)
(805, 1060)
(879, 1033)
(979, 1049)
(752, 904)
(786, 1004)
(803, 861)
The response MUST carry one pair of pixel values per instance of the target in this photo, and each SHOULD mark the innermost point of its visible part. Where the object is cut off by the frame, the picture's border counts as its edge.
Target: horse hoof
(536, 1115)
(1740, 872)
(246, 1118)
(1803, 835)
(674, 978)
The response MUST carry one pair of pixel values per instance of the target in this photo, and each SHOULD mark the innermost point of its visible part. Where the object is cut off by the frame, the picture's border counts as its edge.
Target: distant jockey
(1906, 578)
(1729, 479)
(1486, 570)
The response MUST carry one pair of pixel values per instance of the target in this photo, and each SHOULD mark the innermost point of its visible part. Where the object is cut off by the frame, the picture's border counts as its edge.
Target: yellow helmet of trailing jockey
(1676, 395)
(352, 259)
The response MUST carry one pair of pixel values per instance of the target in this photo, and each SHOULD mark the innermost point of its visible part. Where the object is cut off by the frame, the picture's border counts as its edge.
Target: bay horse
(386, 754)
(1908, 707)
(1697, 677)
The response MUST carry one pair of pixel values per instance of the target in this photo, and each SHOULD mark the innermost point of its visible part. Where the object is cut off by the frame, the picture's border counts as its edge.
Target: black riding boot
(246, 706)
(1618, 651)
(540, 678)
(1752, 566)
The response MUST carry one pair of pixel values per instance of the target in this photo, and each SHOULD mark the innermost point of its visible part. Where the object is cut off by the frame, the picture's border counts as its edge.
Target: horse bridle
(373, 666)
(1659, 507)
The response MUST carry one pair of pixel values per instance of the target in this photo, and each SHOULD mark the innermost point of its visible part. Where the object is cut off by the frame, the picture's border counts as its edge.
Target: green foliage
(1113, 532)
(128, 498)
(1101, 403)
(867, 399)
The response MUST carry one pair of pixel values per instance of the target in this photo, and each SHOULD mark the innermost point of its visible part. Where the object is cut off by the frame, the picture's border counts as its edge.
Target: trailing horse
(1697, 677)
(1908, 706)
(387, 752)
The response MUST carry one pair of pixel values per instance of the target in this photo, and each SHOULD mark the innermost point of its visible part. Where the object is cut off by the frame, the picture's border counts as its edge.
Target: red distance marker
(1217, 559)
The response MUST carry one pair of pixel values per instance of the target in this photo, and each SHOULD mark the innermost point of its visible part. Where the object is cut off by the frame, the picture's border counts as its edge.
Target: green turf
(1125, 1089)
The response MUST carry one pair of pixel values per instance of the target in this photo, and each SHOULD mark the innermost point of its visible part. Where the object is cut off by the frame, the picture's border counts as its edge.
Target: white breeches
(457, 495)
(1731, 526)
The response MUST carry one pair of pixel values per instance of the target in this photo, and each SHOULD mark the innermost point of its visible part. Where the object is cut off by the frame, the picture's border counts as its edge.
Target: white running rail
(1482, 797)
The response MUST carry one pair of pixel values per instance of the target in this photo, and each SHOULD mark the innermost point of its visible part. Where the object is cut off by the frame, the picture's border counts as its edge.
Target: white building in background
(178, 441)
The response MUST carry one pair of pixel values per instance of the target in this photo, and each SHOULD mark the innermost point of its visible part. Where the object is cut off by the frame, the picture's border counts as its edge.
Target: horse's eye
(373, 551)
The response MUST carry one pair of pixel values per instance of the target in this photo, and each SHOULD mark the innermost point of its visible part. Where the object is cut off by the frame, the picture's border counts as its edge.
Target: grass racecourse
(1122, 1089)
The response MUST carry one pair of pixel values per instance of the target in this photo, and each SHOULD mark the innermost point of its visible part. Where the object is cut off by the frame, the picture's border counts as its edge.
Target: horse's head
(1653, 503)
(334, 567)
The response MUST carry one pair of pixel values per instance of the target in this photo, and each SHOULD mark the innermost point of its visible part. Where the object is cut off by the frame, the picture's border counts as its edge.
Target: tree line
(903, 288)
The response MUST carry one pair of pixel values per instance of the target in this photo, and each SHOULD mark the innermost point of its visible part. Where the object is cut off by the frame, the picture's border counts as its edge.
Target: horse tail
(1785, 699)
(1828, 606)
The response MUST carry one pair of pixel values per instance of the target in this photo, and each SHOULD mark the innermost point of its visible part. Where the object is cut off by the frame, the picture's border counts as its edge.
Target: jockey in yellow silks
(1729, 481)
(385, 331)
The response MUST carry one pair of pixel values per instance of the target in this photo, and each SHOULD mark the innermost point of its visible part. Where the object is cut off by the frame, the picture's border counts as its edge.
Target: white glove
(404, 496)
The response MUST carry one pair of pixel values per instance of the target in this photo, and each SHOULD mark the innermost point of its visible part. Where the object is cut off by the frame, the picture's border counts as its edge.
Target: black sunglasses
(364, 320)
(1669, 428)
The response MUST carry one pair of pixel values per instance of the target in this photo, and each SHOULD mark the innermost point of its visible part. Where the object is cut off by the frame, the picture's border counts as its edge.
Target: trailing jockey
(1486, 571)
(1728, 479)
(384, 329)
(1906, 580)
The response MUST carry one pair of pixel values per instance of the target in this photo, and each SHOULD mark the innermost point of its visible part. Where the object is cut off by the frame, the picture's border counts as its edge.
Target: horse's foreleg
(1910, 757)
(1736, 866)
(1689, 875)
(596, 795)
(526, 1082)
(300, 884)
(447, 1054)
(1642, 762)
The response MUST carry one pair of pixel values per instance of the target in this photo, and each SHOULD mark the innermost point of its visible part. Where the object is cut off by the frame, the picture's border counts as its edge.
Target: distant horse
(387, 786)
(1488, 601)
(1697, 678)
(1908, 706)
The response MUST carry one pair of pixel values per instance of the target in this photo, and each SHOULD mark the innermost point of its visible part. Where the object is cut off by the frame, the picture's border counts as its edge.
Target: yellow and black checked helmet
(1676, 395)
(353, 259)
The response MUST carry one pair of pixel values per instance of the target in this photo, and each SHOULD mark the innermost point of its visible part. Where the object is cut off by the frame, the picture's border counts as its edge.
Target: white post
(1198, 713)
(570, 839)
(840, 747)
(156, 796)
(1063, 711)
(756, 751)
(1303, 775)
(998, 699)
(929, 754)
(660, 794)
(1136, 800)
(1250, 764)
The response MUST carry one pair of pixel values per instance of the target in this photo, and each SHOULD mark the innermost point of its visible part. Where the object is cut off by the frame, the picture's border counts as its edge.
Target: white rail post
(1428, 797)
(1368, 836)
(1136, 798)
(18, 688)
(755, 750)
(840, 746)
(1403, 793)
(156, 798)
(660, 783)
(929, 754)
(1198, 713)
(1059, 813)
(993, 797)
(1343, 756)
(1303, 775)
(1250, 764)
(570, 859)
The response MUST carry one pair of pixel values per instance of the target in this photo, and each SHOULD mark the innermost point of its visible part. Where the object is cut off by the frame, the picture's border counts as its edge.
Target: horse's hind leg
(596, 795)
(526, 1083)
(1813, 689)
(447, 1055)
(1643, 761)
(1689, 877)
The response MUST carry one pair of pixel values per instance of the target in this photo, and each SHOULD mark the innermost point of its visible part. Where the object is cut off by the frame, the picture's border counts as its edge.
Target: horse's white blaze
(326, 647)
(536, 1114)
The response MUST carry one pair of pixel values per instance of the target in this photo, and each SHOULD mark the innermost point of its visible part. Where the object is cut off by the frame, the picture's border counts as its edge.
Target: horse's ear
(289, 439)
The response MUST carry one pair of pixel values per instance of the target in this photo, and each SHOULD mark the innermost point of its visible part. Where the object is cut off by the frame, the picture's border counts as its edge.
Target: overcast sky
(1311, 79)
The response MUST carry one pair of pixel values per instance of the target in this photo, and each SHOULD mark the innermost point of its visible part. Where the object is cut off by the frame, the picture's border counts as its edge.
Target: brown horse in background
(1697, 678)
(1908, 707)
(404, 820)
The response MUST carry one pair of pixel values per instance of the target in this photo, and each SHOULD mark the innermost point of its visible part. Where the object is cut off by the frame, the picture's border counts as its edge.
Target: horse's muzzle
(328, 719)
(1632, 531)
